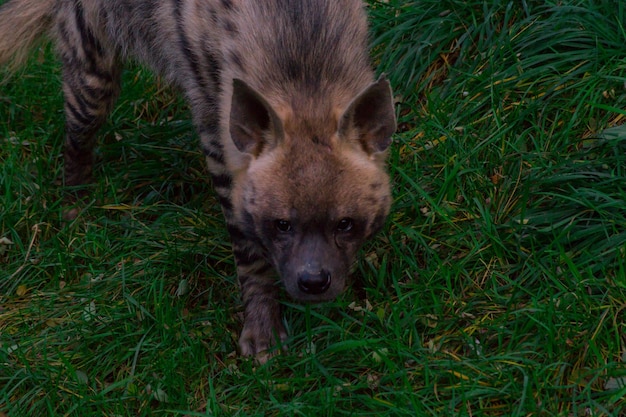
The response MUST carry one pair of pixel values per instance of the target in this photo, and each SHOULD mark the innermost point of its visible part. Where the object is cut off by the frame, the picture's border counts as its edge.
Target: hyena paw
(259, 341)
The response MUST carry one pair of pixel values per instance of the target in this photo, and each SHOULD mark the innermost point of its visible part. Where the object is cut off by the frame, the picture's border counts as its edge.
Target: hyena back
(293, 124)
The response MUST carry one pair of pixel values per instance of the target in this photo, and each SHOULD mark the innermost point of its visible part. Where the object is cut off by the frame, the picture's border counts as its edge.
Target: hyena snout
(313, 271)
(314, 280)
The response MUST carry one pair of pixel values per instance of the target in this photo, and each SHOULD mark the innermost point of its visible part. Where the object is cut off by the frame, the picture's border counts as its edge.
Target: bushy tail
(22, 23)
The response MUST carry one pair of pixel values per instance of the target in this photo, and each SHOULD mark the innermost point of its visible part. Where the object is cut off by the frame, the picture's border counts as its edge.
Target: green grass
(498, 287)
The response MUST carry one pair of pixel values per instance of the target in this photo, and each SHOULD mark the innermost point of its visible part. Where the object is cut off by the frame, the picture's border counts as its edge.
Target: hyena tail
(22, 24)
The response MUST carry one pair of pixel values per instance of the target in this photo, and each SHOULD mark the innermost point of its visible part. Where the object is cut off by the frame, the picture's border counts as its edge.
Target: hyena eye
(283, 226)
(345, 225)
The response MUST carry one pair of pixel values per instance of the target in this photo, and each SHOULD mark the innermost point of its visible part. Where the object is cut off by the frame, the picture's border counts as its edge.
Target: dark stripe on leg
(222, 181)
(227, 205)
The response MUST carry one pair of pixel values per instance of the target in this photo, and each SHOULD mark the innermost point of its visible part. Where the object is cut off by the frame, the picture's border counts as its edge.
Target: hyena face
(312, 222)
(314, 190)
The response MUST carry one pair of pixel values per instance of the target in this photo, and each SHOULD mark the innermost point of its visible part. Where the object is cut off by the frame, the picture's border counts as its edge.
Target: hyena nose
(314, 283)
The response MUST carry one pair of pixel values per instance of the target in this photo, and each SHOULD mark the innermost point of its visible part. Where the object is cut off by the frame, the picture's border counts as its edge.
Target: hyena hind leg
(89, 98)
(91, 85)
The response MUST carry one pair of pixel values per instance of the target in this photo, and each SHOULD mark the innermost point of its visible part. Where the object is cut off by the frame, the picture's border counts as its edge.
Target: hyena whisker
(293, 124)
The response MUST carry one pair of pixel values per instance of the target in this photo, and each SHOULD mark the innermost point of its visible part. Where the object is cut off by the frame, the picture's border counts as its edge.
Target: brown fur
(292, 122)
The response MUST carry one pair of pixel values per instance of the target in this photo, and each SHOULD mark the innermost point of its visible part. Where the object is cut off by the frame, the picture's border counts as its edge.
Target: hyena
(292, 121)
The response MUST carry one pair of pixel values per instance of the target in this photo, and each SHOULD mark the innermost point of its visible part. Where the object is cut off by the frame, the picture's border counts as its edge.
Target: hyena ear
(253, 122)
(373, 117)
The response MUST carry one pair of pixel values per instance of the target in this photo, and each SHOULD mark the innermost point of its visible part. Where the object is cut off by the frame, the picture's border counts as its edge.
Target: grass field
(498, 287)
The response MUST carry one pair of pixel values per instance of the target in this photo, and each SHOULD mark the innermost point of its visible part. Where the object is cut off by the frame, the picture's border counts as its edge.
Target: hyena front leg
(262, 319)
(262, 327)
(91, 84)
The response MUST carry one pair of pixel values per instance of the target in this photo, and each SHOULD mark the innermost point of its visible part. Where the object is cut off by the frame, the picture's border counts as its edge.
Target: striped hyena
(292, 122)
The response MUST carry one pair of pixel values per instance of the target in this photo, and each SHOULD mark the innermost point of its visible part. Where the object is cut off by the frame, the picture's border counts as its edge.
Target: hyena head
(315, 188)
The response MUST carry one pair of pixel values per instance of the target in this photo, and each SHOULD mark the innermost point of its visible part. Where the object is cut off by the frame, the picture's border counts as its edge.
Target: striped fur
(293, 124)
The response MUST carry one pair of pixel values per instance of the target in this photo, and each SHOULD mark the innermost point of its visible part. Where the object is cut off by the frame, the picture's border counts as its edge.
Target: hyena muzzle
(291, 120)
